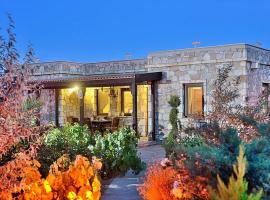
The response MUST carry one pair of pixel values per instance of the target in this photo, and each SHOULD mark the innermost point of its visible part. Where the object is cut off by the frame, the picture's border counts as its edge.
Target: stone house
(137, 91)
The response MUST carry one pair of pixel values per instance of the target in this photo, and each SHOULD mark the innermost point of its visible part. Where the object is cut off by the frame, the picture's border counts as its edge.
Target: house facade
(137, 91)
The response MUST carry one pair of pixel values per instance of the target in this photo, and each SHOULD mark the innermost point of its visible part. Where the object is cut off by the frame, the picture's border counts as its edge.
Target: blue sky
(102, 30)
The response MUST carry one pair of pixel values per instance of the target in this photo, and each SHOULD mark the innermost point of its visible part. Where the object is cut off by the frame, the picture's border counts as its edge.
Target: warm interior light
(70, 90)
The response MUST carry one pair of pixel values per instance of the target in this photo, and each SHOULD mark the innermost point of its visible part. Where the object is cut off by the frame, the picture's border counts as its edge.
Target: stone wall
(61, 69)
(258, 70)
(69, 105)
(47, 98)
(200, 65)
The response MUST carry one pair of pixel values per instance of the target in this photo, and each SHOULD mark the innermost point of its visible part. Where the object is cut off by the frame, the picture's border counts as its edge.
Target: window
(193, 99)
(126, 102)
(103, 101)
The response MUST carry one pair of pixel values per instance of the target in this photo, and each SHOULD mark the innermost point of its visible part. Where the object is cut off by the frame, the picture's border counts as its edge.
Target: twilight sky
(103, 30)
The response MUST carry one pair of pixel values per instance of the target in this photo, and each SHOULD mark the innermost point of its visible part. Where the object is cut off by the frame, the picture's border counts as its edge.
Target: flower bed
(66, 180)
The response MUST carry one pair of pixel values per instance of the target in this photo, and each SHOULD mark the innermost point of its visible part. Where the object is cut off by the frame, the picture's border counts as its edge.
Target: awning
(100, 80)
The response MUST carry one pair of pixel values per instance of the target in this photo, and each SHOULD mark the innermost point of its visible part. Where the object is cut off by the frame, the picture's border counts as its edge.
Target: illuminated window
(193, 99)
(126, 101)
(103, 101)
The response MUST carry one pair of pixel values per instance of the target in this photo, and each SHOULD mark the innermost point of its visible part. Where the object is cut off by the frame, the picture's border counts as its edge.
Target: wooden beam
(153, 108)
(101, 80)
(134, 104)
(57, 92)
(81, 96)
(153, 76)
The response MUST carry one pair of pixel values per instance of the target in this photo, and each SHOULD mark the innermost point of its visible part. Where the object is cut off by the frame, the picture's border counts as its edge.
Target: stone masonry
(251, 65)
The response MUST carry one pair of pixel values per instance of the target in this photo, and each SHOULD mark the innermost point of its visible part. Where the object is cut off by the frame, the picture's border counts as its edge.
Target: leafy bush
(237, 188)
(168, 183)
(78, 180)
(118, 152)
(210, 159)
(173, 116)
(258, 156)
(70, 139)
(192, 141)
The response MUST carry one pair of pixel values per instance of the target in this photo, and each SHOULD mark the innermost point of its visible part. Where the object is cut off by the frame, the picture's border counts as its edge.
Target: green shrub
(191, 141)
(169, 144)
(258, 156)
(70, 139)
(264, 129)
(173, 117)
(118, 152)
(237, 188)
(218, 159)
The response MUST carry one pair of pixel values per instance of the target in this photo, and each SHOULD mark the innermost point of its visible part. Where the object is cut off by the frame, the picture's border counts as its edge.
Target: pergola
(131, 79)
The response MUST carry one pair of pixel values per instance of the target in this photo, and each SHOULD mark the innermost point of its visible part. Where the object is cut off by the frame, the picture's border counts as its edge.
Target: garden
(47, 162)
(226, 158)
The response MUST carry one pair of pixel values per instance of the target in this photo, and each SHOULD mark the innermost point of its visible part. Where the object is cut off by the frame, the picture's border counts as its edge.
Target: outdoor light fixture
(70, 90)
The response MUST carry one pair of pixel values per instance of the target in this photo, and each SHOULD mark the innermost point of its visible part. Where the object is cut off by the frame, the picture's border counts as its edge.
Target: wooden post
(57, 92)
(134, 104)
(153, 106)
(81, 96)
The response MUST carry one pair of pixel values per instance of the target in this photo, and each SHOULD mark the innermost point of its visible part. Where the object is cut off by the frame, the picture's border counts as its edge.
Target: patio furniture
(72, 120)
(115, 124)
(88, 122)
(101, 124)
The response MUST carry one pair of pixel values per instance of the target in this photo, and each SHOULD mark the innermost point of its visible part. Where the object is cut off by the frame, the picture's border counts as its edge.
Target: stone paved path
(125, 188)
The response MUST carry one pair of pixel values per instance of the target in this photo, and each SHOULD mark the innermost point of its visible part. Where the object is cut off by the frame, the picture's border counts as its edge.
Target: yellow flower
(89, 195)
(96, 184)
(79, 198)
(72, 195)
(47, 186)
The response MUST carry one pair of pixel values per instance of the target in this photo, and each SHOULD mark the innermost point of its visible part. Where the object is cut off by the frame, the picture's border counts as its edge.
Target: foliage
(175, 125)
(224, 94)
(258, 171)
(118, 152)
(167, 183)
(169, 144)
(227, 112)
(19, 137)
(70, 139)
(158, 183)
(14, 121)
(237, 187)
(211, 159)
(79, 180)
(173, 116)
(208, 158)
(192, 141)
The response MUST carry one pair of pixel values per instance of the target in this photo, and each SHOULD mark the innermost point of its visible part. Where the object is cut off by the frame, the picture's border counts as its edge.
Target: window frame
(185, 107)
(265, 93)
(97, 104)
(123, 90)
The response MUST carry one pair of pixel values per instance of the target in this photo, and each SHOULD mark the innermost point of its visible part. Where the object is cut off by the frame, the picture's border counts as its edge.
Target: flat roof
(100, 80)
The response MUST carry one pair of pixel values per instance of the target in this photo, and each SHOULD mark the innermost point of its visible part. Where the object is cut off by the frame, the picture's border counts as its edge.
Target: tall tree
(12, 55)
(2, 55)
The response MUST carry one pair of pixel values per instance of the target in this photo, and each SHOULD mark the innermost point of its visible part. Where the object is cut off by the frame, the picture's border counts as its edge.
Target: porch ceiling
(100, 80)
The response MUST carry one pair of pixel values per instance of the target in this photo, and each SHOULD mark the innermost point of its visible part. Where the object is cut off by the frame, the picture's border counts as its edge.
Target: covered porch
(116, 100)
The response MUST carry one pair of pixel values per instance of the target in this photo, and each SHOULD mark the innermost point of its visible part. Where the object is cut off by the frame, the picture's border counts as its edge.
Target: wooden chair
(115, 124)
(88, 122)
(75, 120)
(69, 119)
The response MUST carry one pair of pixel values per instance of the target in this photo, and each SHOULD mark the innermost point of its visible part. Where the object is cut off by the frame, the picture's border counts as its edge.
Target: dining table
(101, 124)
